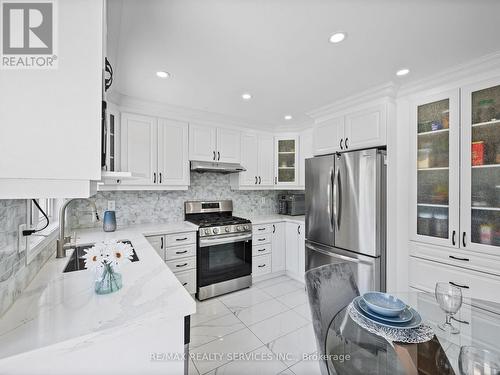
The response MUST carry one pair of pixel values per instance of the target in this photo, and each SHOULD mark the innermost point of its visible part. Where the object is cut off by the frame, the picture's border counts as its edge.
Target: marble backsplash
(15, 275)
(141, 207)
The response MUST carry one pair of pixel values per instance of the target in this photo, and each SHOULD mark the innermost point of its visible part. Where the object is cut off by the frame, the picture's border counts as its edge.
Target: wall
(139, 207)
(15, 275)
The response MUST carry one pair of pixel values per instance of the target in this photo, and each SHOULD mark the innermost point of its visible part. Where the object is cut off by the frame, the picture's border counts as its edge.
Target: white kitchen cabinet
(202, 142)
(295, 250)
(257, 157)
(155, 151)
(327, 136)
(354, 130)
(209, 143)
(139, 148)
(173, 161)
(50, 119)
(305, 152)
(286, 158)
(278, 247)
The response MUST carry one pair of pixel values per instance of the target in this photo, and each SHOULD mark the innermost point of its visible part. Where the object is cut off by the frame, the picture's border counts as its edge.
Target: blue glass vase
(109, 221)
(108, 281)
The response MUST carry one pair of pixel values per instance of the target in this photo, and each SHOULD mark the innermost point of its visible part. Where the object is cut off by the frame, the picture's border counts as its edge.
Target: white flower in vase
(118, 253)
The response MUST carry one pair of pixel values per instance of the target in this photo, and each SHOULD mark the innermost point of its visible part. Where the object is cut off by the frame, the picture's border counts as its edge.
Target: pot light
(162, 74)
(402, 72)
(288, 117)
(246, 96)
(338, 37)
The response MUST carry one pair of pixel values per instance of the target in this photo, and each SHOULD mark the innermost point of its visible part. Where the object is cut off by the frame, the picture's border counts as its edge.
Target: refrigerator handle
(336, 193)
(331, 188)
(339, 194)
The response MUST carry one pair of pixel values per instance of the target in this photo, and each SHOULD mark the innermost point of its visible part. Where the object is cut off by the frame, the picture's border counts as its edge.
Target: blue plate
(413, 323)
(405, 316)
(384, 304)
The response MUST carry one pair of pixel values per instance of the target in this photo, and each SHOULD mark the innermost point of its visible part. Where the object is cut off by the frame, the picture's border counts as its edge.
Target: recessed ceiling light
(337, 37)
(163, 74)
(402, 72)
(288, 117)
(246, 96)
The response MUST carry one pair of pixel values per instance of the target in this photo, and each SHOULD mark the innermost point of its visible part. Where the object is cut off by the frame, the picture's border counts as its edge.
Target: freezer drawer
(368, 271)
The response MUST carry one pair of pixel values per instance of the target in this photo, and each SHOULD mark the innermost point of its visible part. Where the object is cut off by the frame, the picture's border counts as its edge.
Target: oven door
(224, 258)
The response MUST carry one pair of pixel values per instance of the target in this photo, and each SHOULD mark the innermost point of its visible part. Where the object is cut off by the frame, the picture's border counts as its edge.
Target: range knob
(238, 228)
(207, 231)
(247, 227)
(215, 230)
(227, 229)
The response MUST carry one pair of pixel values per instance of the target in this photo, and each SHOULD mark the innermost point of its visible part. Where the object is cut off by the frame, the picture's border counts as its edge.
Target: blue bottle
(109, 221)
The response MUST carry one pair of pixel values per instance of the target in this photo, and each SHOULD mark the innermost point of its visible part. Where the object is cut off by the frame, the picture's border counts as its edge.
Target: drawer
(188, 280)
(180, 239)
(157, 243)
(262, 229)
(261, 249)
(261, 265)
(260, 239)
(180, 252)
(424, 274)
(182, 264)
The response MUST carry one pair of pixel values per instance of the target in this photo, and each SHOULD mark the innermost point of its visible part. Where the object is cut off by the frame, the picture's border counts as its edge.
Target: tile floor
(263, 330)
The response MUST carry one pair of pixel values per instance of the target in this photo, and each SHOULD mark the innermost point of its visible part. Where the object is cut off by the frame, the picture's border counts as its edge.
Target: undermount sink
(77, 263)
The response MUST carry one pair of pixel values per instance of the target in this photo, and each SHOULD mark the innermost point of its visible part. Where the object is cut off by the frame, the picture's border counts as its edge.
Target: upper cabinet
(173, 162)
(354, 130)
(305, 152)
(480, 178)
(286, 160)
(50, 121)
(209, 143)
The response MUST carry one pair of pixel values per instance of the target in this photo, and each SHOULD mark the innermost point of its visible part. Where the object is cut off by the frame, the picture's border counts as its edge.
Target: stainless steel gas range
(224, 250)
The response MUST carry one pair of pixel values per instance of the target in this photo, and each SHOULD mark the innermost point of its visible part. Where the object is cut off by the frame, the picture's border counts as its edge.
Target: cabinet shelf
(286, 152)
(440, 131)
(432, 205)
(486, 208)
(492, 122)
(434, 169)
(286, 167)
(486, 166)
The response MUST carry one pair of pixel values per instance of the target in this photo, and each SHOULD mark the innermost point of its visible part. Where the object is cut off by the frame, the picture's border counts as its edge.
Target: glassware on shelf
(424, 223)
(472, 361)
(424, 158)
(485, 111)
(440, 225)
(449, 298)
(445, 118)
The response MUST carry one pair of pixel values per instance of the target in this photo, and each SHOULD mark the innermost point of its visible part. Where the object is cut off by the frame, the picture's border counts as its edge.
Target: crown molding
(387, 91)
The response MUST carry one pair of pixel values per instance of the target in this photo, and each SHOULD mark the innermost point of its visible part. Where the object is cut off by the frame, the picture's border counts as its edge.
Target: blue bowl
(384, 304)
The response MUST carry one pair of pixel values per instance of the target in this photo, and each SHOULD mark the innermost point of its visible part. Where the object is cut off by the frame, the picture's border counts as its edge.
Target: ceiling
(278, 50)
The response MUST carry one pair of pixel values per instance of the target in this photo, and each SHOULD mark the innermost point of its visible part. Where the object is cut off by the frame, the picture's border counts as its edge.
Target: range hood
(207, 166)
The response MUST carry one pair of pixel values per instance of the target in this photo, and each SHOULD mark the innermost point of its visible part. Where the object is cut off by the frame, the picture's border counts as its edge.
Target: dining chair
(330, 288)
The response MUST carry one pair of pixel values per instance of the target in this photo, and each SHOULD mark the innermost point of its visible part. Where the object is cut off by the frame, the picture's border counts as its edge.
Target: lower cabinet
(178, 250)
(278, 257)
(295, 250)
(262, 249)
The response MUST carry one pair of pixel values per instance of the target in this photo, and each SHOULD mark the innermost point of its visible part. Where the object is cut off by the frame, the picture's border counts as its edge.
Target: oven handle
(204, 242)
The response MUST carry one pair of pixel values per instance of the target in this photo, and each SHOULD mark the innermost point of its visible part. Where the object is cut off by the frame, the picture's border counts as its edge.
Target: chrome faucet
(64, 243)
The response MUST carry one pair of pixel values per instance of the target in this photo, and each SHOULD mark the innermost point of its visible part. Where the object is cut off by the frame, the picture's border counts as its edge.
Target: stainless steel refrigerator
(346, 214)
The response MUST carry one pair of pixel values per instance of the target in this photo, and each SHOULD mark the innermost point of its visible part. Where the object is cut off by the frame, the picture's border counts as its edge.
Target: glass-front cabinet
(286, 149)
(480, 190)
(435, 136)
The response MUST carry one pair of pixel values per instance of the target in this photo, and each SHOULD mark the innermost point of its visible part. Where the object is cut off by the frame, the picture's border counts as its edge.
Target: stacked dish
(387, 311)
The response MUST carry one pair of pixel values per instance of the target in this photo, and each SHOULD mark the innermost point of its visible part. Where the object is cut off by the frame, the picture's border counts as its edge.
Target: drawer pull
(262, 265)
(459, 286)
(261, 229)
(161, 241)
(261, 250)
(457, 258)
(181, 252)
(261, 239)
(181, 265)
(181, 239)
(460, 321)
(184, 284)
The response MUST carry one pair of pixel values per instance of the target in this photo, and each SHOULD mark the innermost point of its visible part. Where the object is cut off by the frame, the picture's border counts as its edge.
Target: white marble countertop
(57, 307)
(266, 219)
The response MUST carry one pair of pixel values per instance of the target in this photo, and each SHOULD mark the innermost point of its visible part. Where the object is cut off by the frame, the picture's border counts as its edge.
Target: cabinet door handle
(181, 252)
(218, 155)
(457, 258)
(261, 239)
(341, 143)
(160, 177)
(346, 147)
(184, 284)
(214, 155)
(261, 250)
(154, 177)
(261, 229)
(460, 321)
(298, 229)
(459, 286)
(464, 240)
(453, 238)
(256, 180)
(161, 243)
(181, 239)
(181, 265)
(260, 180)
(261, 265)
(274, 228)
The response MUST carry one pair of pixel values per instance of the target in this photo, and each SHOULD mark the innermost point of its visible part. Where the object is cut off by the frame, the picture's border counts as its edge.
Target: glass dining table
(351, 349)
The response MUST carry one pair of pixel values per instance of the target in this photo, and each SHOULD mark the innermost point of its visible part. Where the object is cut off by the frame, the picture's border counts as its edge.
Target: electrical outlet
(22, 240)
(111, 205)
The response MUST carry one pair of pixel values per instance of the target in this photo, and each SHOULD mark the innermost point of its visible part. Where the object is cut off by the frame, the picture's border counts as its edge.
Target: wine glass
(473, 361)
(449, 298)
